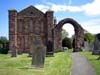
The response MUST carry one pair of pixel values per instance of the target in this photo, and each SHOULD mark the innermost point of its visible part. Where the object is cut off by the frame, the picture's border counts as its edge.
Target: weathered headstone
(96, 45)
(88, 46)
(38, 52)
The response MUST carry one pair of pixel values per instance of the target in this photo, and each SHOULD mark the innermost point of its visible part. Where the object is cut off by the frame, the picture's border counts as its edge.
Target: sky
(85, 12)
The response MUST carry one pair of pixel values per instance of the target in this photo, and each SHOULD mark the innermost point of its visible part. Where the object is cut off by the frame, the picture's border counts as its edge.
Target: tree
(4, 45)
(89, 37)
(66, 42)
(64, 33)
(3, 41)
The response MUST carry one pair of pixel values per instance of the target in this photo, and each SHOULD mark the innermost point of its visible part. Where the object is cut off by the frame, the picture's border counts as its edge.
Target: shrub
(89, 37)
(66, 42)
(4, 45)
(4, 50)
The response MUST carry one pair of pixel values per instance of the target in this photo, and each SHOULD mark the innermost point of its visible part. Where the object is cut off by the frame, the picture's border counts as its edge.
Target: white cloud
(94, 29)
(74, 9)
(93, 26)
(69, 28)
(92, 22)
(90, 9)
(57, 8)
(41, 7)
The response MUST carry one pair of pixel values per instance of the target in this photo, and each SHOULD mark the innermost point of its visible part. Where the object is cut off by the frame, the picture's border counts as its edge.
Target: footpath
(81, 66)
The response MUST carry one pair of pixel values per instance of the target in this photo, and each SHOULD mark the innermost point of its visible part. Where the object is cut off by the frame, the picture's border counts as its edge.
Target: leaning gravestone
(38, 52)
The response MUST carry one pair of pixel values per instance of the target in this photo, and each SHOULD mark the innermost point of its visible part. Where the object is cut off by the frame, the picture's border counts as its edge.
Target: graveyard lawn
(93, 61)
(60, 64)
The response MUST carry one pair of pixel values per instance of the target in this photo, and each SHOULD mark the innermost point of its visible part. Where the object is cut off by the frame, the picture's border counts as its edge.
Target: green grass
(60, 64)
(93, 60)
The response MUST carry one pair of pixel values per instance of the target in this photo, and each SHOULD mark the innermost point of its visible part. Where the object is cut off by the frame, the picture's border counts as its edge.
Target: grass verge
(93, 60)
(60, 64)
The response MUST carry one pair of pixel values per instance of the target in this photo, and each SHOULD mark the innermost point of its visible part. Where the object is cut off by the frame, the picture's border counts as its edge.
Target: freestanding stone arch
(79, 34)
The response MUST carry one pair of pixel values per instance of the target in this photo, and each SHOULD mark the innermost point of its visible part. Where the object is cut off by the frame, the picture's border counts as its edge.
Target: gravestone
(91, 46)
(88, 46)
(38, 52)
(96, 45)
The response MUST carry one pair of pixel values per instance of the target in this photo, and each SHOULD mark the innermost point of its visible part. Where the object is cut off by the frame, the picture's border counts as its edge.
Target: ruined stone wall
(57, 40)
(27, 22)
(31, 21)
(79, 34)
(31, 26)
(50, 25)
(13, 31)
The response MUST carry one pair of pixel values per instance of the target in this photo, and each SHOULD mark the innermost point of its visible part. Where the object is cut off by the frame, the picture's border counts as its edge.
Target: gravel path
(81, 66)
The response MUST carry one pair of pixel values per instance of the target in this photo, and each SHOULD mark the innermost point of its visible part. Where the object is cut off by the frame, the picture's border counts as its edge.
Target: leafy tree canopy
(64, 33)
(66, 42)
(89, 37)
(3, 39)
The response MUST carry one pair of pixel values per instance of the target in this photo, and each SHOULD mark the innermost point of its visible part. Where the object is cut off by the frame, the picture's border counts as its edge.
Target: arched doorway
(79, 34)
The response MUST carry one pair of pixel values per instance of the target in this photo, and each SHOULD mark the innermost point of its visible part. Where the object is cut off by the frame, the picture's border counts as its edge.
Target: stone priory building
(31, 21)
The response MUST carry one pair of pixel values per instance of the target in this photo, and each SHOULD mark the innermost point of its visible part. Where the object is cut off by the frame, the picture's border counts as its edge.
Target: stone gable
(31, 11)
(26, 23)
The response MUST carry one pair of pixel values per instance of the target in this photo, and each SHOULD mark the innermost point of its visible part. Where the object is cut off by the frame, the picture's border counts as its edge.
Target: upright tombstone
(96, 44)
(86, 46)
(38, 52)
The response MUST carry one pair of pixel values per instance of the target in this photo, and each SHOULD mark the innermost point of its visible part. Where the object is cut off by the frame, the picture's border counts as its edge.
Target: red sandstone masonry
(28, 22)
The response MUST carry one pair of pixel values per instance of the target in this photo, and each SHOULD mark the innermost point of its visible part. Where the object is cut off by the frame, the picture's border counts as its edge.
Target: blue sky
(86, 12)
